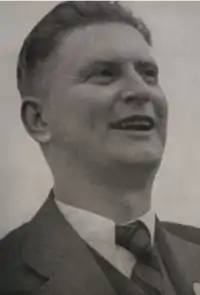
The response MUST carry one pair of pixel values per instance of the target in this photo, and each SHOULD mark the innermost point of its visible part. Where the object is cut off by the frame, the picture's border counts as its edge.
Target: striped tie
(147, 274)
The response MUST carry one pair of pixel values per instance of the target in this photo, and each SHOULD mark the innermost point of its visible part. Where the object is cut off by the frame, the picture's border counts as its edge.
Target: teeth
(134, 123)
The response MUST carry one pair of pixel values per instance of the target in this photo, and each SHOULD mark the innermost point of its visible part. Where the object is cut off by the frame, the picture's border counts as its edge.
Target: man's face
(105, 104)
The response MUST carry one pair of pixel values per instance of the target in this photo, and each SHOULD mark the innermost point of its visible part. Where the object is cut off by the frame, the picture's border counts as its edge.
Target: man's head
(90, 87)
(44, 39)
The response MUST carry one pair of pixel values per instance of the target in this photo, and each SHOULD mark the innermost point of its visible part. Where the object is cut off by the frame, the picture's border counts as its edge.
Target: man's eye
(105, 73)
(148, 72)
(101, 76)
(150, 76)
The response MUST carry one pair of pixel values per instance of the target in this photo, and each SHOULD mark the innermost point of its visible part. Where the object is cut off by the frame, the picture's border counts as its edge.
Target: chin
(141, 160)
(148, 156)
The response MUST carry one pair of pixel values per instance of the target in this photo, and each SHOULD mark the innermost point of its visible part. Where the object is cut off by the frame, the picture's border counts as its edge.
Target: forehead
(108, 41)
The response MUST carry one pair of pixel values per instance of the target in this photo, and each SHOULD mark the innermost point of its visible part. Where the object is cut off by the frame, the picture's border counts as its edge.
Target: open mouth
(135, 123)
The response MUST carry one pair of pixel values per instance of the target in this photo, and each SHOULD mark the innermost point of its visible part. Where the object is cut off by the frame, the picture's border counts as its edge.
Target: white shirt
(99, 233)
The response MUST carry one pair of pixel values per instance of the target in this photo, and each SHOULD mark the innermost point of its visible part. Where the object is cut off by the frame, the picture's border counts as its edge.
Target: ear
(33, 117)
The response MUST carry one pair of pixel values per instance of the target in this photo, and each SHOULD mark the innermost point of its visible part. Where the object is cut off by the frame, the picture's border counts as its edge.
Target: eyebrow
(151, 64)
(85, 68)
(116, 61)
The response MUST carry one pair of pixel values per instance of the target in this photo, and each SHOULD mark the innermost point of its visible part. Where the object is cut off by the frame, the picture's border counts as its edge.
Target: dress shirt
(99, 233)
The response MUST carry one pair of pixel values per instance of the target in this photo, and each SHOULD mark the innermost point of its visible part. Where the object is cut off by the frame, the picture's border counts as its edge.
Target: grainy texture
(24, 176)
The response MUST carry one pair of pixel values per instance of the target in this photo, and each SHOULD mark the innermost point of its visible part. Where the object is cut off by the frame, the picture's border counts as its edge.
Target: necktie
(135, 237)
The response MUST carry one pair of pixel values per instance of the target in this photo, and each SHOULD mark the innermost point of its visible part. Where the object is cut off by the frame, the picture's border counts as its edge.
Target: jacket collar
(56, 251)
(53, 249)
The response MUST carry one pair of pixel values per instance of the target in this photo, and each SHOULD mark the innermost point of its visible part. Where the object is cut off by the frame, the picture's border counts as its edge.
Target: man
(92, 100)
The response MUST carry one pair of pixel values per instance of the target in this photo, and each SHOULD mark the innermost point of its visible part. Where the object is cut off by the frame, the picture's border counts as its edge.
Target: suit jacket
(47, 257)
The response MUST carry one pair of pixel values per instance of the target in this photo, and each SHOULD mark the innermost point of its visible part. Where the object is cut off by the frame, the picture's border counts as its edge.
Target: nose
(135, 90)
(139, 97)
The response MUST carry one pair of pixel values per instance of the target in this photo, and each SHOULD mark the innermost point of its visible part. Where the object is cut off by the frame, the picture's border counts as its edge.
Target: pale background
(24, 176)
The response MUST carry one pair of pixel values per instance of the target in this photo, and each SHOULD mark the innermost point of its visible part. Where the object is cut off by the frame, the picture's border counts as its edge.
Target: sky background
(24, 177)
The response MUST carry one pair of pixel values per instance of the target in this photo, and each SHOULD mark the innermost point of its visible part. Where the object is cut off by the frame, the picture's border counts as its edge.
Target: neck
(121, 196)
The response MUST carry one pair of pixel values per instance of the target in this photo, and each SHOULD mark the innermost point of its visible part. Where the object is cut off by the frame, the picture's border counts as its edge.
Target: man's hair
(47, 35)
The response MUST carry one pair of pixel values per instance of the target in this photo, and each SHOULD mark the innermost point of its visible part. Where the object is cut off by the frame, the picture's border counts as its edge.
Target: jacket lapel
(54, 250)
(181, 259)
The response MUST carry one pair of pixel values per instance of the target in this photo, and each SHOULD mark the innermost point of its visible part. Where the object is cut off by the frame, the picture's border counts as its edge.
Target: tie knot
(136, 238)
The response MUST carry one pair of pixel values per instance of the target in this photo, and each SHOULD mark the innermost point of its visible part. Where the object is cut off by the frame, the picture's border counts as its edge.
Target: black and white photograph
(100, 148)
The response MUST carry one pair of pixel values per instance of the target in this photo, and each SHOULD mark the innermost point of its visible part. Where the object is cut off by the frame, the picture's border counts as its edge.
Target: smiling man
(92, 100)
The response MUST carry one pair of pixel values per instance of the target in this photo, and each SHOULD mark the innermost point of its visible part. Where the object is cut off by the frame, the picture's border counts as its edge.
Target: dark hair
(44, 38)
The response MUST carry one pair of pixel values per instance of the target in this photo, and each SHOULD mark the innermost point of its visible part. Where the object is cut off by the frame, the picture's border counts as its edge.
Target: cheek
(160, 103)
(89, 103)
(161, 110)
(162, 117)
(80, 110)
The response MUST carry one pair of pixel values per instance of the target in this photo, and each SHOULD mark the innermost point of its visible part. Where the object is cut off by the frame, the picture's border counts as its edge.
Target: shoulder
(16, 277)
(10, 259)
(187, 232)
(11, 242)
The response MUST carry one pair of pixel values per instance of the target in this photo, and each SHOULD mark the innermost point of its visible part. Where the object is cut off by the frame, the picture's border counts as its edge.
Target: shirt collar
(98, 231)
